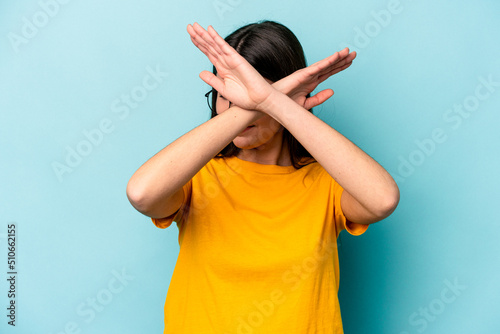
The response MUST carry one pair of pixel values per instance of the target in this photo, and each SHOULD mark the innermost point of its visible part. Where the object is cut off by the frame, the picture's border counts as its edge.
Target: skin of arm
(155, 189)
(370, 193)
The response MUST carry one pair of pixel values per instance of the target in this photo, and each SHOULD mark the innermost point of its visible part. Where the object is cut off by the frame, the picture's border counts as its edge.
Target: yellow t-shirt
(258, 251)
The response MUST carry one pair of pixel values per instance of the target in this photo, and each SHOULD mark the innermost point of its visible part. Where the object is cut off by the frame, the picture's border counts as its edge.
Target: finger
(336, 70)
(207, 38)
(221, 43)
(344, 52)
(318, 99)
(326, 62)
(337, 58)
(329, 63)
(354, 54)
(194, 35)
(213, 81)
(200, 43)
(203, 49)
(351, 56)
(196, 39)
(321, 74)
(197, 34)
(210, 36)
(336, 67)
(207, 53)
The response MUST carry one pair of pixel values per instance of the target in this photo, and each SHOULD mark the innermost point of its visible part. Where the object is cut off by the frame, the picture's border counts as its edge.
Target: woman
(260, 192)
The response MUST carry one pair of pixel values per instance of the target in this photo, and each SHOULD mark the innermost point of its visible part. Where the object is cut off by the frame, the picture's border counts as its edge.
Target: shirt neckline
(259, 168)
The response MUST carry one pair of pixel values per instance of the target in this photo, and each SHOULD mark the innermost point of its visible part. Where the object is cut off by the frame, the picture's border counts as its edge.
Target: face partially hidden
(263, 134)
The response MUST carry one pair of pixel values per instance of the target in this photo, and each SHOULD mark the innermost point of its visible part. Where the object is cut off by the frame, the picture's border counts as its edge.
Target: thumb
(212, 80)
(318, 99)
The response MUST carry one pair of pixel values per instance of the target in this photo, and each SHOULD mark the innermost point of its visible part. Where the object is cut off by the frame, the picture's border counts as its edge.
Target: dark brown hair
(275, 52)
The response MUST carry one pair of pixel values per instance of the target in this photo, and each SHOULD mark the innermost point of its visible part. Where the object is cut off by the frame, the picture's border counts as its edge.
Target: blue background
(77, 231)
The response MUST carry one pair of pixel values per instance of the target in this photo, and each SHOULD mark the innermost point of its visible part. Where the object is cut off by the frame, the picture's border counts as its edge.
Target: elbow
(137, 197)
(389, 202)
(145, 200)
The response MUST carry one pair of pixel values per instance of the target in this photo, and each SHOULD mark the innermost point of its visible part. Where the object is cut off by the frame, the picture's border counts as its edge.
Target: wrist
(281, 86)
(250, 116)
(269, 104)
(281, 107)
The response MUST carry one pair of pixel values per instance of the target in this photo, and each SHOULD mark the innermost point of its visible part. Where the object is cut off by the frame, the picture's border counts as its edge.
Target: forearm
(360, 175)
(162, 176)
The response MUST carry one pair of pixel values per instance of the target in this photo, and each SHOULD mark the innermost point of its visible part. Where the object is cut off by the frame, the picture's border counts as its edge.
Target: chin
(244, 144)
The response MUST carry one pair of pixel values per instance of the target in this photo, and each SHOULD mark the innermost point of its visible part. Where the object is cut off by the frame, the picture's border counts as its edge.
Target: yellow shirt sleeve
(179, 214)
(340, 219)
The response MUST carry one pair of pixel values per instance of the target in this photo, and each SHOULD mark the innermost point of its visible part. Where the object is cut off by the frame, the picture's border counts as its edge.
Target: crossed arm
(370, 194)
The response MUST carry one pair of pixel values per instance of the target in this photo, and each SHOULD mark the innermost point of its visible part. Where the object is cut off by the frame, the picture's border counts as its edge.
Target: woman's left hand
(302, 82)
(237, 80)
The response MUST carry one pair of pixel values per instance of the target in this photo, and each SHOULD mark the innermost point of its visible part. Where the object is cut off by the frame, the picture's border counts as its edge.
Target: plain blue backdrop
(89, 90)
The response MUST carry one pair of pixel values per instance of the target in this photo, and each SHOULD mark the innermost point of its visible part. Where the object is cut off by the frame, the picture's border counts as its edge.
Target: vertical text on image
(13, 291)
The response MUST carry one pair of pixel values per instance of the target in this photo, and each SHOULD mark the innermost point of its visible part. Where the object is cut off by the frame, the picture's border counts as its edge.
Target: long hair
(275, 52)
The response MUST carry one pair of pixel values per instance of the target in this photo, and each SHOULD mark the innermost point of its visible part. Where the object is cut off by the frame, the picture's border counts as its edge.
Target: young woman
(260, 192)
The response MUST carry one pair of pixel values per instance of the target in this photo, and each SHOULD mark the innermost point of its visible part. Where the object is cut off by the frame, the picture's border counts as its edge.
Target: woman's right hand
(239, 82)
(302, 82)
